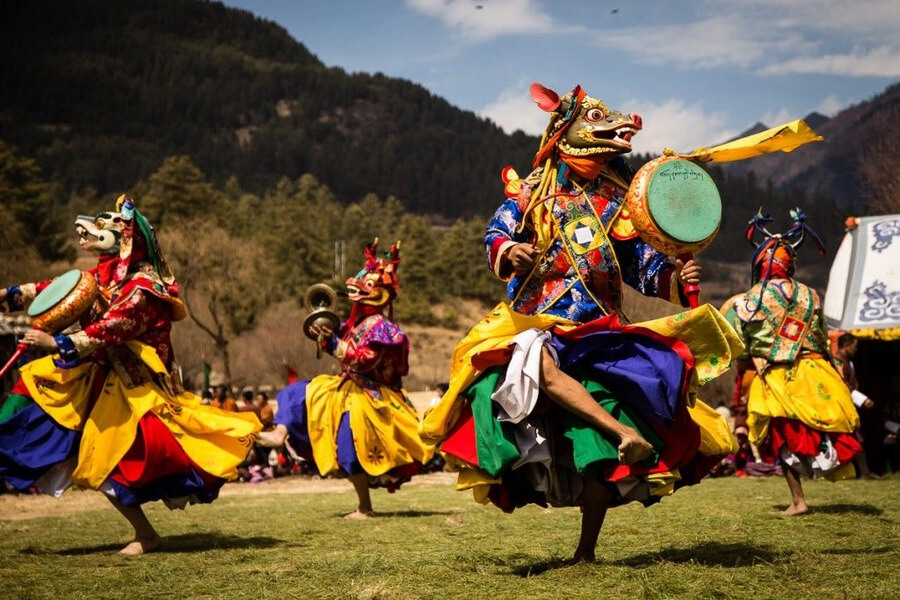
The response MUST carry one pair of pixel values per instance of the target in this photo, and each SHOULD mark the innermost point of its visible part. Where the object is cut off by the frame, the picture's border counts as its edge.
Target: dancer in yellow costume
(799, 410)
(359, 423)
(106, 410)
(555, 398)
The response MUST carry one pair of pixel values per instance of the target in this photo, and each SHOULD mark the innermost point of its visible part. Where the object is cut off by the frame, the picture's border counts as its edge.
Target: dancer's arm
(274, 438)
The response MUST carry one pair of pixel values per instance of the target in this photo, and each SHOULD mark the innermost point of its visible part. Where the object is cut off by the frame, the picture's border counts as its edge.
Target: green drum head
(53, 293)
(683, 201)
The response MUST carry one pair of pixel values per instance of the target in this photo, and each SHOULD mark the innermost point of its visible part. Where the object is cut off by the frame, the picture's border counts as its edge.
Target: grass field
(285, 539)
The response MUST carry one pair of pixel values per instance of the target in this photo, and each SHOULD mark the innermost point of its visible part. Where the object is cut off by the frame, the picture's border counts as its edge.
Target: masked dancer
(799, 410)
(555, 398)
(359, 423)
(104, 409)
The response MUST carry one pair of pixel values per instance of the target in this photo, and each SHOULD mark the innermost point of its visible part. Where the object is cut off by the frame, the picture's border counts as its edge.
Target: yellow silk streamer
(784, 138)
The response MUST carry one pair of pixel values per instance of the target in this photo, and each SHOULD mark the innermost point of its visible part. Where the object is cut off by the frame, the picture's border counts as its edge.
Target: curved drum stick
(20, 350)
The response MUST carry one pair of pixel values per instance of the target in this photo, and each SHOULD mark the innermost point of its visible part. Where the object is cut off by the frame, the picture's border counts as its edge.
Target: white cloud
(487, 19)
(514, 109)
(877, 62)
(774, 119)
(831, 105)
(773, 38)
(665, 126)
(714, 42)
(875, 19)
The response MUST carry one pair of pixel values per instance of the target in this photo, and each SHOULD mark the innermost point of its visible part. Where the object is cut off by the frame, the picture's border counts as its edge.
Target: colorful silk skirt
(802, 416)
(136, 442)
(347, 429)
(512, 446)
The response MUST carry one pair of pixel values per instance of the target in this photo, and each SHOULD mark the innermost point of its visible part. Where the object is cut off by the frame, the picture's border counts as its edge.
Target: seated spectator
(259, 405)
(222, 398)
(439, 391)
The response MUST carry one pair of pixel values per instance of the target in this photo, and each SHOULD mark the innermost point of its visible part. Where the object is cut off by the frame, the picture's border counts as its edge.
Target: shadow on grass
(173, 544)
(534, 569)
(838, 509)
(712, 554)
(405, 513)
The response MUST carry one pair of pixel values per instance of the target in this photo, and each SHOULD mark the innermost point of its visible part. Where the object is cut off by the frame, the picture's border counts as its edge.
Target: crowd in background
(880, 418)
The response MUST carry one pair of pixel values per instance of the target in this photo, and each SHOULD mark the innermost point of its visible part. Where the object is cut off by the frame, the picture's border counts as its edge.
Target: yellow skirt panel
(217, 440)
(716, 438)
(811, 392)
(385, 430)
(712, 341)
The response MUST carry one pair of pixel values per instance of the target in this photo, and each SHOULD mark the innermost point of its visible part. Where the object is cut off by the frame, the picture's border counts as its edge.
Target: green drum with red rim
(63, 301)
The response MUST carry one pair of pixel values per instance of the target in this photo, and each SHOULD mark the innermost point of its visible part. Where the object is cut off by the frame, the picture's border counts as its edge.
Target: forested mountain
(856, 139)
(266, 172)
(99, 92)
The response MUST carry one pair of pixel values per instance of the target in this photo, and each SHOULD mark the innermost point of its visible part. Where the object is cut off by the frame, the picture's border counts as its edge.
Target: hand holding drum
(675, 207)
(57, 307)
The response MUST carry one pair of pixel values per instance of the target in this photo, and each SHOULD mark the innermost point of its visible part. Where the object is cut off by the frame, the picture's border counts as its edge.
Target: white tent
(863, 294)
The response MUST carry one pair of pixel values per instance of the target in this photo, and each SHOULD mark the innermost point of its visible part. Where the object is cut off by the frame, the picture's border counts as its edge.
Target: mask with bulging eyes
(101, 234)
(377, 283)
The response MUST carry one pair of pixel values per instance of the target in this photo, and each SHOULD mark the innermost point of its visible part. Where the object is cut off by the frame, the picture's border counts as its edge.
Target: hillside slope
(101, 92)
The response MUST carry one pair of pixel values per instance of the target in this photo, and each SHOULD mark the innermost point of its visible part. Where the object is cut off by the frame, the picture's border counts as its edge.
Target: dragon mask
(376, 284)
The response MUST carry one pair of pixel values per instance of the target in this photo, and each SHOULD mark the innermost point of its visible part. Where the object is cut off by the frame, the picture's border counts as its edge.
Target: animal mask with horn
(376, 285)
(126, 244)
(583, 137)
(583, 132)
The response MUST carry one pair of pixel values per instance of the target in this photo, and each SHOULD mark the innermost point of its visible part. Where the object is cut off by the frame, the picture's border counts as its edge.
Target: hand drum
(62, 302)
(675, 207)
(58, 306)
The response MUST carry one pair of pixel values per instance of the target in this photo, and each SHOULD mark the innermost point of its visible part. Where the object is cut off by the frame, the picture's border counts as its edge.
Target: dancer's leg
(571, 395)
(595, 502)
(364, 510)
(145, 537)
(798, 500)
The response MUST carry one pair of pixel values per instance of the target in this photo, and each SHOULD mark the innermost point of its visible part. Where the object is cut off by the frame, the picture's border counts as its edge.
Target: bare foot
(795, 510)
(360, 514)
(634, 449)
(584, 557)
(141, 546)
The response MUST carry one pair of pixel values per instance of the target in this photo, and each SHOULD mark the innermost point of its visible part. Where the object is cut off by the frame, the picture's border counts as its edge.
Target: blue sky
(698, 72)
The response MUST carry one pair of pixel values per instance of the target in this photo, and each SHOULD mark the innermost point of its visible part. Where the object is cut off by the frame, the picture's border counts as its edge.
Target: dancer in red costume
(105, 410)
(359, 423)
